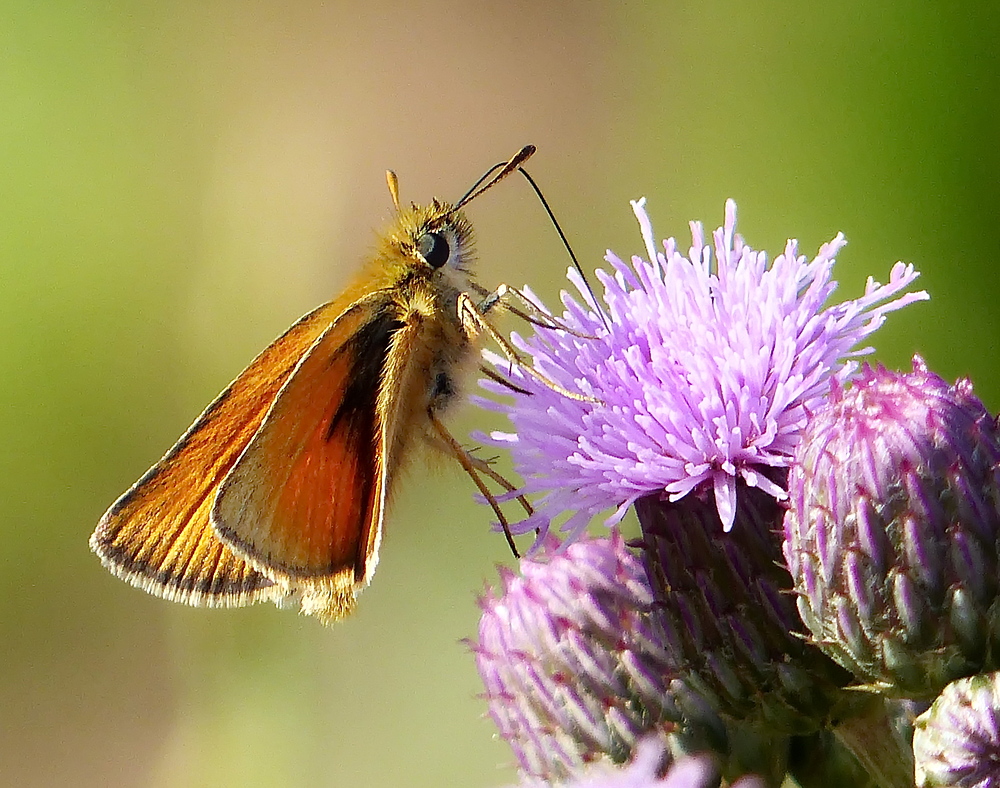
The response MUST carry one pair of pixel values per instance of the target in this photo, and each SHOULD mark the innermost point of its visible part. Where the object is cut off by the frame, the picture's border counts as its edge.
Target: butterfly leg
(484, 467)
(475, 323)
(498, 378)
(534, 314)
(473, 466)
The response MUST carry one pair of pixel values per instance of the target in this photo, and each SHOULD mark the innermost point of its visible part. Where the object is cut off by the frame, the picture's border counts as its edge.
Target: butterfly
(278, 490)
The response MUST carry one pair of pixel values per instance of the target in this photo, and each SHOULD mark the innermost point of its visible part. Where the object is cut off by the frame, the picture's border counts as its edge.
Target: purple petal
(706, 373)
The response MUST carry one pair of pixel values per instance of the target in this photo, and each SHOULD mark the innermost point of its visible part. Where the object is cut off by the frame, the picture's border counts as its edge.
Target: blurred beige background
(181, 181)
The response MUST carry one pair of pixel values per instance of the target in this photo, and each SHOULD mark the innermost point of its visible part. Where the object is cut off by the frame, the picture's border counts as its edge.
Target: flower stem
(873, 739)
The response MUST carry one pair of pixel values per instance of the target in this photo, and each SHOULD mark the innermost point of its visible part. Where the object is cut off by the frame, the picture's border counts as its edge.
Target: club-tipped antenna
(489, 180)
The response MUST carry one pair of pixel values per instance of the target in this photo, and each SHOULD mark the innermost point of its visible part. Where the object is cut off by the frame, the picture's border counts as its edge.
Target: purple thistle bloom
(575, 672)
(893, 532)
(705, 374)
(956, 743)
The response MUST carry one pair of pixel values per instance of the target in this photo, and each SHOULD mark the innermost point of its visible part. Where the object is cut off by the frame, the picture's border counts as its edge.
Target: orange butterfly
(278, 490)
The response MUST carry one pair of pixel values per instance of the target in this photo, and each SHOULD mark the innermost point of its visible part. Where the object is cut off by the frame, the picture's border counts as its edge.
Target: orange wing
(158, 535)
(304, 502)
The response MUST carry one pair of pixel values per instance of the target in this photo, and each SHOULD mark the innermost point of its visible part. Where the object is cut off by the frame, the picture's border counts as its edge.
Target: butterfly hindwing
(158, 535)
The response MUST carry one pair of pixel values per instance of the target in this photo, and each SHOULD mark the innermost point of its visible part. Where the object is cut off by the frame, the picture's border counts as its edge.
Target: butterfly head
(432, 242)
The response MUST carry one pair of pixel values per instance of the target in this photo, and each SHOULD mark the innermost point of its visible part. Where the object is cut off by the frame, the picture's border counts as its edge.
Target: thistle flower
(575, 673)
(728, 617)
(572, 669)
(893, 535)
(956, 743)
(704, 372)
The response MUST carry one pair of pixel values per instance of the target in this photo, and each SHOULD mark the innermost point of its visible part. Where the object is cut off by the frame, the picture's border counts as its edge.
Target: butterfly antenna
(565, 240)
(502, 170)
(489, 180)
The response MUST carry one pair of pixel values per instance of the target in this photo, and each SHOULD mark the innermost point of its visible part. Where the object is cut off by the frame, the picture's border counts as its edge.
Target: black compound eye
(434, 249)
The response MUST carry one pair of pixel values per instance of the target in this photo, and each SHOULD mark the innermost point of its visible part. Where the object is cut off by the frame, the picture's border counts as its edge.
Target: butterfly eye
(434, 249)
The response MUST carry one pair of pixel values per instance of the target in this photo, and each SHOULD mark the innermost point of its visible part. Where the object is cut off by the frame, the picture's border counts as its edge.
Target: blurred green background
(180, 181)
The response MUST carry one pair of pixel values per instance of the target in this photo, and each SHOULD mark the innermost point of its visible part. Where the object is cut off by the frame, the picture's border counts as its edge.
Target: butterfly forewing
(297, 500)
(306, 499)
(158, 535)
